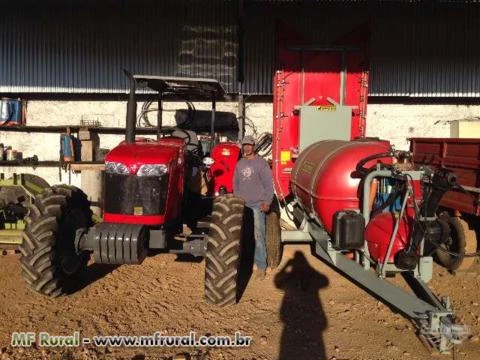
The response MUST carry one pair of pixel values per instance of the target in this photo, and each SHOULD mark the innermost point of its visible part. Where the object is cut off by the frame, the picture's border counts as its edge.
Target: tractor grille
(135, 195)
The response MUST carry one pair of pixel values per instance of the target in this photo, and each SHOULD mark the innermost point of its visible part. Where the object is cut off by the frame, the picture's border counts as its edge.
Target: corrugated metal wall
(81, 46)
(426, 51)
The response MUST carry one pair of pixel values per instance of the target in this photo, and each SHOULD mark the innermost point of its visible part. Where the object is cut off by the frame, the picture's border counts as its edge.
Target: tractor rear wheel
(273, 236)
(462, 240)
(49, 259)
(222, 258)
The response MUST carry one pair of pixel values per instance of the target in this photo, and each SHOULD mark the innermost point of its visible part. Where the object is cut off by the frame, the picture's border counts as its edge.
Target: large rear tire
(462, 240)
(222, 258)
(49, 259)
(273, 236)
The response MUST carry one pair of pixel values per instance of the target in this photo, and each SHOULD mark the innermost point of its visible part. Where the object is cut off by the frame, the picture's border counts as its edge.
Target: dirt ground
(310, 313)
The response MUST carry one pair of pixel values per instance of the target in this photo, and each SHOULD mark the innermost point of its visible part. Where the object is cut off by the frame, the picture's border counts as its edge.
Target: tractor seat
(190, 138)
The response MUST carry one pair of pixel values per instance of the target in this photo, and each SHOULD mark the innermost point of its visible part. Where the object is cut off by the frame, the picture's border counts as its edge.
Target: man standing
(253, 182)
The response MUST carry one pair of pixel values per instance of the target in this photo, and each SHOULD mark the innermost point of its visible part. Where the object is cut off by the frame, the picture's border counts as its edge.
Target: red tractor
(152, 188)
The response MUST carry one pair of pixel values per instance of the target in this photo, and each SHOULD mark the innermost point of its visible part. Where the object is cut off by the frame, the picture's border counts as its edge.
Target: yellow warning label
(138, 210)
(285, 156)
(326, 108)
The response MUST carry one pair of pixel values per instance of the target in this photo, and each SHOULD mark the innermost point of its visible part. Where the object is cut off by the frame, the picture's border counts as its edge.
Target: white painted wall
(397, 123)
(108, 113)
(394, 122)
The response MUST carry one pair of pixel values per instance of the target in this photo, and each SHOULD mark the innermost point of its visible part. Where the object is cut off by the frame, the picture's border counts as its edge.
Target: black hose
(144, 114)
(263, 145)
(361, 171)
(442, 181)
(289, 213)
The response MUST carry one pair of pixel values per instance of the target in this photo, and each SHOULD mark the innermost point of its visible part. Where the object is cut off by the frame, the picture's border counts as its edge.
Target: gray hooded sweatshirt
(253, 181)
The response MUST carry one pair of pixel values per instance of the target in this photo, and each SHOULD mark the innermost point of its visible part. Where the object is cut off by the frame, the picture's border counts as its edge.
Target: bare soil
(309, 312)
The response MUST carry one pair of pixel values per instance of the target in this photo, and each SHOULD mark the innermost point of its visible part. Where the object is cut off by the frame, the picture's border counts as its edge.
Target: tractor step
(204, 223)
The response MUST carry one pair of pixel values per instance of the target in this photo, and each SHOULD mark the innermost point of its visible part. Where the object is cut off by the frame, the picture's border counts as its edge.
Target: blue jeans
(260, 257)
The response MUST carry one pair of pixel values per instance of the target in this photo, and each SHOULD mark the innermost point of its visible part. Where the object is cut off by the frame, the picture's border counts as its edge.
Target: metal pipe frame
(394, 233)
(131, 110)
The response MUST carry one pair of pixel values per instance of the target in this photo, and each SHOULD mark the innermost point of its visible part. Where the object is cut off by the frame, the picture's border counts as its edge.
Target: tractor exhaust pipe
(131, 110)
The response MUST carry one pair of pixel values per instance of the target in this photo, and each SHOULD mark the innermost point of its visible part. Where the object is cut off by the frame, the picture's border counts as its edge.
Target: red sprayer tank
(379, 230)
(322, 179)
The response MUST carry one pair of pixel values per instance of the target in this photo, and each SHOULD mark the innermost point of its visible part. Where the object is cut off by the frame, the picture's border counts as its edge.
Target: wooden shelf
(75, 128)
(79, 166)
(52, 163)
(36, 164)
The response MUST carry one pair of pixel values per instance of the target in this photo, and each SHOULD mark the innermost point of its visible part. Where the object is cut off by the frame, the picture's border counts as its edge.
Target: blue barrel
(66, 147)
(10, 111)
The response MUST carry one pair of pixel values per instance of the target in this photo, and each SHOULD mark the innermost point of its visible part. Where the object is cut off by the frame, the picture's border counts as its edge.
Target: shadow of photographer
(301, 310)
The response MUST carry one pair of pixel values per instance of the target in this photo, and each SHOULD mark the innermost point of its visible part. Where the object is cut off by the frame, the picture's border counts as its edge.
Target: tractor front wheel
(222, 259)
(49, 258)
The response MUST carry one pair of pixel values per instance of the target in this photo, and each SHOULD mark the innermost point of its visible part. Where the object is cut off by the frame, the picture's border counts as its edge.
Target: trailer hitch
(196, 247)
(440, 332)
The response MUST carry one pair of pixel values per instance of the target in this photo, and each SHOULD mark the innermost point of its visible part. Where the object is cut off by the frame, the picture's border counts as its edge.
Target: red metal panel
(134, 219)
(167, 151)
(460, 155)
(226, 156)
(147, 151)
(303, 73)
(357, 92)
(320, 79)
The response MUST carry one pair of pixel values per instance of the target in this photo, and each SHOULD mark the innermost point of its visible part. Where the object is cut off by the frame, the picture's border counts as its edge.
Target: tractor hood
(146, 151)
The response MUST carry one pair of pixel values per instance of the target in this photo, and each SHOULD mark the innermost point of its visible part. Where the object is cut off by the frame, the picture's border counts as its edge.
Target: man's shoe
(260, 274)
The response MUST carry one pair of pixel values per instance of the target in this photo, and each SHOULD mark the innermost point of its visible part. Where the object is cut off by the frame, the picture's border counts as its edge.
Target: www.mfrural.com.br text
(157, 339)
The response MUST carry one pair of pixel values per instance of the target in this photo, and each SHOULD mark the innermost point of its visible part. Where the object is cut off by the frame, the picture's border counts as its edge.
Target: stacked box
(90, 143)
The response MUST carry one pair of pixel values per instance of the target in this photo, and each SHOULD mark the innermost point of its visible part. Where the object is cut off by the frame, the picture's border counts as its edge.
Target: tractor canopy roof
(183, 87)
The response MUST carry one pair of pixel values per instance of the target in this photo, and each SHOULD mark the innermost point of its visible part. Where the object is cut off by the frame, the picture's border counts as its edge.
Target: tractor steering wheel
(191, 146)
(187, 138)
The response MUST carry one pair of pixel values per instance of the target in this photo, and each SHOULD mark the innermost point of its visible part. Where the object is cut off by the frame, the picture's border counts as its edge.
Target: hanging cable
(263, 145)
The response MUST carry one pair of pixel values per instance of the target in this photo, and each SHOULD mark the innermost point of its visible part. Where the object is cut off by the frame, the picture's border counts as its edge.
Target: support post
(212, 125)
(159, 115)
(92, 184)
(241, 116)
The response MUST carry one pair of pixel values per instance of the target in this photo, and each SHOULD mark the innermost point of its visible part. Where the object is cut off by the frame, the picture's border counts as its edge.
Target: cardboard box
(84, 134)
(89, 148)
(468, 128)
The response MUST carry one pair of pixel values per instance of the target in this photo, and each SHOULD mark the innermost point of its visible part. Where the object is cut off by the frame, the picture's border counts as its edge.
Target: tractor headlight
(152, 170)
(112, 167)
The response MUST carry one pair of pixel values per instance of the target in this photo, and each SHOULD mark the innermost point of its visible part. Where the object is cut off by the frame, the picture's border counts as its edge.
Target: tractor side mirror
(208, 161)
